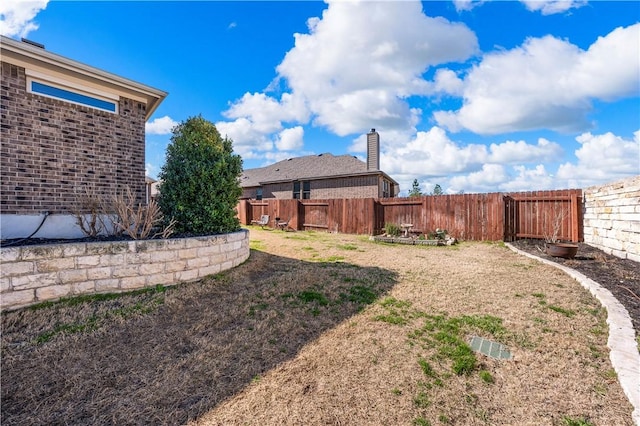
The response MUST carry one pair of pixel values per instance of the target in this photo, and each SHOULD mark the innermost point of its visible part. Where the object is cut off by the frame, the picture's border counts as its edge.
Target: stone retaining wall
(612, 218)
(34, 274)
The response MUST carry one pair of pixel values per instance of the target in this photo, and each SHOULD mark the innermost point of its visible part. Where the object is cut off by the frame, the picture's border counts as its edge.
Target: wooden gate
(544, 215)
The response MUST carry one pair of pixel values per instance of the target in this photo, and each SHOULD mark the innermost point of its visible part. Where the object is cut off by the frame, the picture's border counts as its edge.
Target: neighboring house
(322, 176)
(67, 128)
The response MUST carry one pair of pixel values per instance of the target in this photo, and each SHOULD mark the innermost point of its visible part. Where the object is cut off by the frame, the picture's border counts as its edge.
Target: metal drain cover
(491, 349)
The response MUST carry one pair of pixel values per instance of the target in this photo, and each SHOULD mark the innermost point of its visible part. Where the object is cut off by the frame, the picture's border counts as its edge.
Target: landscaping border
(624, 351)
(38, 273)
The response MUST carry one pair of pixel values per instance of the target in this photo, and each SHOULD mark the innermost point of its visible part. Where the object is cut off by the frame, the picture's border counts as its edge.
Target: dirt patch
(620, 276)
(321, 329)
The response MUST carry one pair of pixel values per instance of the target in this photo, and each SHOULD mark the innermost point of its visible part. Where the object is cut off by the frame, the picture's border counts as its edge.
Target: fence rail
(481, 217)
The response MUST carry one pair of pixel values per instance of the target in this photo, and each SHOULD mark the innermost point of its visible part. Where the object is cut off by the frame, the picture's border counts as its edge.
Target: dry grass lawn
(323, 329)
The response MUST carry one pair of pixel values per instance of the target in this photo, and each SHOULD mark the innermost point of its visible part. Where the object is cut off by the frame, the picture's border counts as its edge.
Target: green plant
(570, 421)
(486, 376)
(200, 188)
(419, 421)
(566, 312)
(391, 229)
(415, 189)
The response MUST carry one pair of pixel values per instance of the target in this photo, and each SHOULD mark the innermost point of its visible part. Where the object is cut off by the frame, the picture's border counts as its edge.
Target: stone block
(99, 273)
(74, 249)
(151, 268)
(107, 248)
(41, 252)
(83, 287)
(198, 262)
(84, 261)
(125, 271)
(17, 298)
(16, 268)
(162, 279)
(174, 244)
(108, 284)
(183, 276)
(53, 265)
(9, 254)
(208, 270)
(137, 258)
(163, 256)
(53, 292)
(34, 280)
(131, 283)
(189, 253)
(112, 260)
(176, 265)
(207, 251)
(5, 284)
(72, 276)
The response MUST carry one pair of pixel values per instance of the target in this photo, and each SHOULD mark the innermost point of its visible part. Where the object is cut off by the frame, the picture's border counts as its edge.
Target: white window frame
(58, 83)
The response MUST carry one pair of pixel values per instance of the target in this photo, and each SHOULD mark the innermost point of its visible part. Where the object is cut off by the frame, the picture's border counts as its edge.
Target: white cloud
(550, 7)
(447, 81)
(247, 141)
(16, 16)
(290, 139)
(362, 58)
(160, 126)
(466, 4)
(510, 152)
(602, 158)
(431, 153)
(547, 83)
(354, 69)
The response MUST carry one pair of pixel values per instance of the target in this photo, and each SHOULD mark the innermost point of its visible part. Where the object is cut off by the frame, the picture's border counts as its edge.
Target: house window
(102, 101)
(296, 190)
(385, 189)
(306, 190)
(259, 194)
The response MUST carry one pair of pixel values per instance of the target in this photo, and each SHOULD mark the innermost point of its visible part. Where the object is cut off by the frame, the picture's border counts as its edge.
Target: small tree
(437, 190)
(200, 180)
(415, 190)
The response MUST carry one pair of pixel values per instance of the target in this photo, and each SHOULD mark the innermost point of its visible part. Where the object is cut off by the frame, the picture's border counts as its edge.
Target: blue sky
(474, 96)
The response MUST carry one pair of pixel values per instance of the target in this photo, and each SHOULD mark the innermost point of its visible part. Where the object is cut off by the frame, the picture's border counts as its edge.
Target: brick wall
(348, 187)
(612, 218)
(51, 148)
(34, 274)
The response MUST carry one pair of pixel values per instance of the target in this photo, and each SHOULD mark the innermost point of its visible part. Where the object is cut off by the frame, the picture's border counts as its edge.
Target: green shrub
(200, 186)
(391, 229)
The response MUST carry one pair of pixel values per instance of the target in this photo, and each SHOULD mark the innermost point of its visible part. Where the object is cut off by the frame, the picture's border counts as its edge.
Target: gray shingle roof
(307, 167)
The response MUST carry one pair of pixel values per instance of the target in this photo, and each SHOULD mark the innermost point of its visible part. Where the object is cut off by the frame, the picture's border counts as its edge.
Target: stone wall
(612, 218)
(34, 274)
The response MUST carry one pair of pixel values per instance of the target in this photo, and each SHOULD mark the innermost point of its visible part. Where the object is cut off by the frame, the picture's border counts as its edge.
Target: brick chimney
(373, 150)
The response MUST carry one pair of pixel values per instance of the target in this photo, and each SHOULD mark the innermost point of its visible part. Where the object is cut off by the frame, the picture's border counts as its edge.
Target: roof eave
(154, 96)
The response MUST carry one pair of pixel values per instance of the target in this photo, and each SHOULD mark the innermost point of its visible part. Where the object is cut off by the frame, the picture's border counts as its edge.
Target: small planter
(565, 250)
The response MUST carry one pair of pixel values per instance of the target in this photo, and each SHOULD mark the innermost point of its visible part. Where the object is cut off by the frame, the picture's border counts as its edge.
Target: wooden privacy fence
(480, 217)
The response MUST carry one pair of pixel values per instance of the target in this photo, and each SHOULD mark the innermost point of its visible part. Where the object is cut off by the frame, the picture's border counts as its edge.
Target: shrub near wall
(612, 218)
(33, 274)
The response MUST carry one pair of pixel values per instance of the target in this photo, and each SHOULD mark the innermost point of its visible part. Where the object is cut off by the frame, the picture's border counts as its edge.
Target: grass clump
(486, 377)
(566, 312)
(570, 421)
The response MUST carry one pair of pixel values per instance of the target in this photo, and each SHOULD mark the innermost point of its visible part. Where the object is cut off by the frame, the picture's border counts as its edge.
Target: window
(306, 190)
(69, 92)
(259, 194)
(385, 189)
(296, 190)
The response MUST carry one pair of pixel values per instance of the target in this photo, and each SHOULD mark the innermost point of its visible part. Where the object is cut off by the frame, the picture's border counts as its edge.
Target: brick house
(322, 176)
(65, 126)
